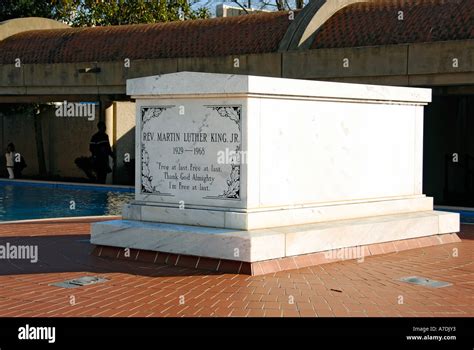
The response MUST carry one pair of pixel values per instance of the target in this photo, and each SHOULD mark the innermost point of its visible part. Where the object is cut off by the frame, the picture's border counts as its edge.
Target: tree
(280, 5)
(80, 13)
(10, 9)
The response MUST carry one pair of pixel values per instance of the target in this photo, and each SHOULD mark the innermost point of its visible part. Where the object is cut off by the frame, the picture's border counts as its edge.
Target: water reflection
(33, 202)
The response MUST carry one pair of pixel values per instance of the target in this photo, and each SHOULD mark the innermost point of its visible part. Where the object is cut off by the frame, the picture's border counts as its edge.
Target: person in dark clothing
(100, 149)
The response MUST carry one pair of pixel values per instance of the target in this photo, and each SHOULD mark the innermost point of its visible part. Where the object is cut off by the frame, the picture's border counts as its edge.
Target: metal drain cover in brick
(80, 282)
(423, 281)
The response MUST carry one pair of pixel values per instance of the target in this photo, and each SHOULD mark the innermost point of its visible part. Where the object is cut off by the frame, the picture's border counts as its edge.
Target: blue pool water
(30, 200)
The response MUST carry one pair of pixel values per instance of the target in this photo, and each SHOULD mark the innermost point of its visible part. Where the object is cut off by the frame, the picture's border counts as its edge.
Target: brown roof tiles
(377, 23)
(362, 24)
(256, 33)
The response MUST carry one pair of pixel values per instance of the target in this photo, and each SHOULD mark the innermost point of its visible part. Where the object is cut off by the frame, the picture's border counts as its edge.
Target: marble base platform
(275, 217)
(271, 243)
(273, 265)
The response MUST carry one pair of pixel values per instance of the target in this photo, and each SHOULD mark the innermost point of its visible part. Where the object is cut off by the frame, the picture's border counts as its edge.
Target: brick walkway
(347, 288)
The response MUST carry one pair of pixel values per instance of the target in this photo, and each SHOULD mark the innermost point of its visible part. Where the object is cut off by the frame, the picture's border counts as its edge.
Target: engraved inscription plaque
(190, 153)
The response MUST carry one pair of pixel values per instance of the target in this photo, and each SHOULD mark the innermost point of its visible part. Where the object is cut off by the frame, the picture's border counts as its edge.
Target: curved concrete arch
(301, 32)
(18, 25)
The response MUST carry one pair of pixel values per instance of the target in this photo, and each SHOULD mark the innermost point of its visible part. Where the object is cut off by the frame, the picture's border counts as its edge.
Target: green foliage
(10, 9)
(81, 13)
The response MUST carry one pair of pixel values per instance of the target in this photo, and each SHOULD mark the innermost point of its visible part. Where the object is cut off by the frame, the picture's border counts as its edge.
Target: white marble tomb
(275, 167)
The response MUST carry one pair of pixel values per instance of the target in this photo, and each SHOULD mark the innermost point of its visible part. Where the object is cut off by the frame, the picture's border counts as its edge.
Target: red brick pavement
(346, 288)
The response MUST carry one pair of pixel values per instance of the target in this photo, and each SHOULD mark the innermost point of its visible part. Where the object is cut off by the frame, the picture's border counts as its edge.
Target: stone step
(273, 243)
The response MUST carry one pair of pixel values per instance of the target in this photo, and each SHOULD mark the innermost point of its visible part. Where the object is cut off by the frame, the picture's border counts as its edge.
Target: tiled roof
(362, 24)
(377, 23)
(256, 33)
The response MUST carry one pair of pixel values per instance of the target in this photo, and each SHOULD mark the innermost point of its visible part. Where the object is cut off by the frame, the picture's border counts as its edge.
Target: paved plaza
(135, 289)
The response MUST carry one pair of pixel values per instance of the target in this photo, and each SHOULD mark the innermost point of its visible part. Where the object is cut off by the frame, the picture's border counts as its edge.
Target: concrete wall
(18, 129)
(417, 64)
(123, 139)
(64, 139)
